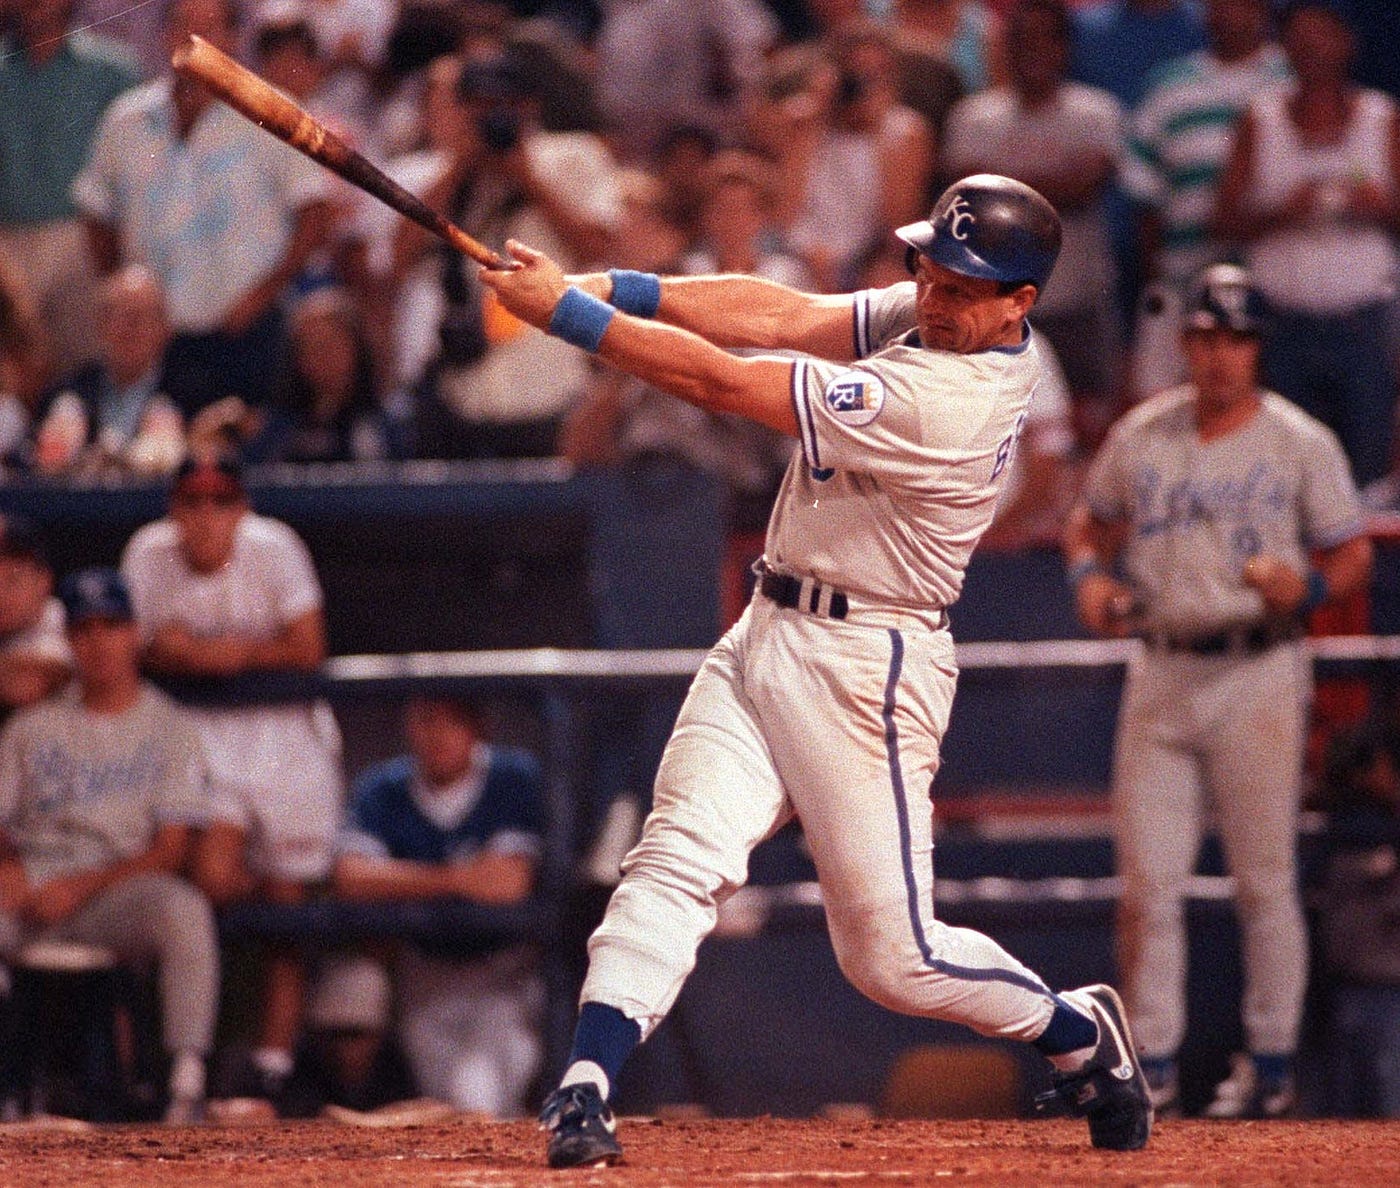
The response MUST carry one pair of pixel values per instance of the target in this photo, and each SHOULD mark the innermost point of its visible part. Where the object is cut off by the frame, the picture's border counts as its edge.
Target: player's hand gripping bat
(270, 109)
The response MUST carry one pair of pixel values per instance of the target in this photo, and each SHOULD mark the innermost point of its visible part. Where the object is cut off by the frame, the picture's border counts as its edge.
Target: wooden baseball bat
(267, 107)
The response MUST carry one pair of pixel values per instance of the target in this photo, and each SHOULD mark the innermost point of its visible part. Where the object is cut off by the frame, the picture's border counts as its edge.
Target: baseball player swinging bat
(267, 107)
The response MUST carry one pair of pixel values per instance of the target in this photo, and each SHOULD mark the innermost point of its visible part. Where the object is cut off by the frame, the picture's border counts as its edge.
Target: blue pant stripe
(906, 844)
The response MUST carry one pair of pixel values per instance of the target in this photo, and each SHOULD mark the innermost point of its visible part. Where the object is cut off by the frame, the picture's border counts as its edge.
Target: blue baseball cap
(96, 593)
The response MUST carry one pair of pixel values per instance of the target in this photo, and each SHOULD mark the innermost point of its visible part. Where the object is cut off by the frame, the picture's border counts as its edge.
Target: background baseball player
(101, 790)
(1194, 532)
(454, 817)
(828, 700)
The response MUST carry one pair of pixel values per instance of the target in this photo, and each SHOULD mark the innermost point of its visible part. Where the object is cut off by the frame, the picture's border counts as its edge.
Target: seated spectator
(454, 818)
(497, 388)
(112, 417)
(345, 45)
(224, 214)
(324, 407)
(35, 660)
(100, 795)
(1066, 140)
(737, 222)
(57, 78)
(680, 165)
(648, 235)
(1359, 909)
(1118, 45)
(222, 592)
(1179, 139)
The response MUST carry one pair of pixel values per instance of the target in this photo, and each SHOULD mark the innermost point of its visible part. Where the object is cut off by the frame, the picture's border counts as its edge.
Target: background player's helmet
(991, 227)
(1224, 298)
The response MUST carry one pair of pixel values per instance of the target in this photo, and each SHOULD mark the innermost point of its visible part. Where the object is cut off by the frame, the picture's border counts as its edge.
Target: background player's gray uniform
(840, 722)
(81, 790)
(1224, 727)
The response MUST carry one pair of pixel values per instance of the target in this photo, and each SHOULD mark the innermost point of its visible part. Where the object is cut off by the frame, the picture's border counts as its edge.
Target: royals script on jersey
(903, 455)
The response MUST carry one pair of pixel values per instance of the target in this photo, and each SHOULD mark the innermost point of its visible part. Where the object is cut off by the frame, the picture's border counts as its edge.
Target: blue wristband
(636, 293)
(1317, 590)
(580, 319)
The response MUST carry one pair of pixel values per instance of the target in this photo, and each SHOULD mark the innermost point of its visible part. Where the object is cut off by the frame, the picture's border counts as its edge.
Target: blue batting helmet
(991, 227)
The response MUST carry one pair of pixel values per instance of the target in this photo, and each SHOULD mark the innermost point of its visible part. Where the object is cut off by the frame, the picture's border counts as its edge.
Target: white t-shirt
(45, 639)
(1334, 265)
(268, 582)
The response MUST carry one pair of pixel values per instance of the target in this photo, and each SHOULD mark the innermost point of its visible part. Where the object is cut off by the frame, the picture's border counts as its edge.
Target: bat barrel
(270, 109)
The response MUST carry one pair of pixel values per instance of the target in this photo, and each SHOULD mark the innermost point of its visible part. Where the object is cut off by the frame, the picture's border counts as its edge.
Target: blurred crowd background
(174, 280)
(181, 295)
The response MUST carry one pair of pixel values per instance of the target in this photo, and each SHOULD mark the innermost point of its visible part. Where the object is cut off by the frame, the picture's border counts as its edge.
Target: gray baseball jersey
(81, 790)
(902, 457)
(839, 721)
(1199, 510)
(1213, 725)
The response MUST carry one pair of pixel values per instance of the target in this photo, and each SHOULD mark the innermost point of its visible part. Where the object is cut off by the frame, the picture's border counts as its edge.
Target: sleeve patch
(855, 397)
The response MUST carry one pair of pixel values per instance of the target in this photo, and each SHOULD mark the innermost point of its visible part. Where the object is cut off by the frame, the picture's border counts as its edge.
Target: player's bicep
(827, 329)
(762, 391)
(685, 365)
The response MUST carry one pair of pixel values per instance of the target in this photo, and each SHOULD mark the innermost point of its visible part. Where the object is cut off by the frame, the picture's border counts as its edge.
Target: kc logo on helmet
(958, 215)
(855, 397)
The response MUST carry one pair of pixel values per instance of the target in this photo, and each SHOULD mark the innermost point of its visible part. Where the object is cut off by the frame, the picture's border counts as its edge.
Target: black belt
(786, 591)
(1241, 640)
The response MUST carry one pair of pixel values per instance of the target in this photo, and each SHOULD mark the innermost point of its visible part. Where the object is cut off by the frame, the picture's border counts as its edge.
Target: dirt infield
(704, 1153)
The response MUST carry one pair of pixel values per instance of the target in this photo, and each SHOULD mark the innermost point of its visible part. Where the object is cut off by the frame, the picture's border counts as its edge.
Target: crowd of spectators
(610, 132)
(180, 293)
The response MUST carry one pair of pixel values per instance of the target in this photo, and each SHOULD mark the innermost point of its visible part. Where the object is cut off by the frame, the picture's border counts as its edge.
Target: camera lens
(500, 129)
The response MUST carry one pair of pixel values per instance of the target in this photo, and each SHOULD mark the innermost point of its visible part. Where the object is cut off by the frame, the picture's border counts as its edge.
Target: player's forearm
(384, 880)
(1346, 569)
(495, 878)
(166, 855)
(748, 311)
(1085, 541)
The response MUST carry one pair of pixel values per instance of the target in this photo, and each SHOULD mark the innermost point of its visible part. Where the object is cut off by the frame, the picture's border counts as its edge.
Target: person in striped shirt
(1179, 138)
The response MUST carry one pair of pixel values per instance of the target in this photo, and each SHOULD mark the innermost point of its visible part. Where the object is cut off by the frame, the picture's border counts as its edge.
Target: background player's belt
(1235, 641)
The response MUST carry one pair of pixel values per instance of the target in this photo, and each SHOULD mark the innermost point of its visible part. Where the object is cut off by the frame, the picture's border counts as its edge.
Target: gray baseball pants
(1196, 734)
(149, 917)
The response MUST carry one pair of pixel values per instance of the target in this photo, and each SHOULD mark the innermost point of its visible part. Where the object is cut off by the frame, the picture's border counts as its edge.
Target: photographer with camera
(494, 387)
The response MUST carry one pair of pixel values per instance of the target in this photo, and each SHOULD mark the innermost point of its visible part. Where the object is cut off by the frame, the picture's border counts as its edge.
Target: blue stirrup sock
(636, 293)
(1069, 1030)
(603, 1037)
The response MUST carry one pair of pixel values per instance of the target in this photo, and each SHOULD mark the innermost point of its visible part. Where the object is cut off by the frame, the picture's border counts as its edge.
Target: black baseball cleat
(1110, 1090)
(582, 1130)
